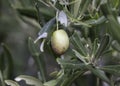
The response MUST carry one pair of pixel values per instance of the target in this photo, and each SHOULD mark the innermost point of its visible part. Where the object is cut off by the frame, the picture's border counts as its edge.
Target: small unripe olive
(59, 41)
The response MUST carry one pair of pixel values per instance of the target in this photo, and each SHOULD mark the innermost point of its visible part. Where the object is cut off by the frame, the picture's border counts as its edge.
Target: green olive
(59, 41)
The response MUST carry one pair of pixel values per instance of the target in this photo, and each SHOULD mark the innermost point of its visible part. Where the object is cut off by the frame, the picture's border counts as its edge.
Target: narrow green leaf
(77, 44)
(112, 69)
(47, 30)
(2, 79)
(112, 18)
(38, 57)
(32, 12)
(34, 50)
(99, 73)
(2, 62)
(27, 12)
(79, 56)
(84, 7)
(7, 59)
(94, 22)
(51, 83)
(71, 64)
(29, 80)
(103, 45)
(57, 81)
(11, 83)
(106, 9)
(114, 28)
(66, 78)
(76, 7)
(70, 78)
(94, 48)
(47, 27)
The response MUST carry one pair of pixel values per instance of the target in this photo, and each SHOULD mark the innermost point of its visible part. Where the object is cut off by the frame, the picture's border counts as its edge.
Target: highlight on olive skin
(59, 41)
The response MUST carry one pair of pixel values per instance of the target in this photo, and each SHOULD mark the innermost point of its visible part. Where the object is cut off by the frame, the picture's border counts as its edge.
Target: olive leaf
(112, 69)
(6, 58)
(76, 8)
(99, 73)
(38, 57)
(113, 22)
(62, 18)
(71, 64)
(103, 45)
(71, 70)
(56, 82)
(68, 79)
(32, 12)
(47, 27)
(42, 45)
(106, 8)
(78, 44)
(44, 35)
(51, 83)
(2, 79)
(29, 80)
(78, 55)
(11, 83)
(98, 21)
(94, 48)
(45, 32)
(34, 50)
(83, 7)
(64, 79)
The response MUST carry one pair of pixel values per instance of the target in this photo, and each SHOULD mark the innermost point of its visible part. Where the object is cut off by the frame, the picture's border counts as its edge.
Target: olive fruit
(59, 41)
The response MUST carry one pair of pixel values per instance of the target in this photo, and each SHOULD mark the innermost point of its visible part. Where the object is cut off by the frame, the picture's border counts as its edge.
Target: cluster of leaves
(93, 28)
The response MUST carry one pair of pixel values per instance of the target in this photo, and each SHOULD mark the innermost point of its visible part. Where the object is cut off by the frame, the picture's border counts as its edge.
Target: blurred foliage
(93, 57)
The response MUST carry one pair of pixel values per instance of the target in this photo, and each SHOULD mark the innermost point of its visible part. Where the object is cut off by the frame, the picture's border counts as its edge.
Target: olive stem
(53, 6)
(57, 19)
